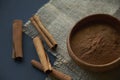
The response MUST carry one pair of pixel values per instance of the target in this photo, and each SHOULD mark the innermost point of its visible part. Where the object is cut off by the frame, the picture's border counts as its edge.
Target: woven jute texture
(59, 16)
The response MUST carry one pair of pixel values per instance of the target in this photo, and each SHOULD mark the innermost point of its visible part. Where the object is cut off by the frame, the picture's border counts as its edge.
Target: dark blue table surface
(9, 69)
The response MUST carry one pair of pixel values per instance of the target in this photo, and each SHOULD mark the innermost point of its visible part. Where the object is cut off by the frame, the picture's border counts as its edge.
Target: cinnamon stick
(17, 53)
(41, 54)
(40, 31)
(57, 74)
(45, 31)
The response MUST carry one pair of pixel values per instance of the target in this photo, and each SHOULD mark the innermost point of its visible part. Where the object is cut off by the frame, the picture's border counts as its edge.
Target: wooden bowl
(85, 52)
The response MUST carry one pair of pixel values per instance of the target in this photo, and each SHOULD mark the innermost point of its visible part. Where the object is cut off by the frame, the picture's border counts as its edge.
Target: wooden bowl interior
(91, 20)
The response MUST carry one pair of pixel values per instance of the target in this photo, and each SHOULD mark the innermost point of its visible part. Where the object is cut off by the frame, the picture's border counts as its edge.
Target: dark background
(9, 69)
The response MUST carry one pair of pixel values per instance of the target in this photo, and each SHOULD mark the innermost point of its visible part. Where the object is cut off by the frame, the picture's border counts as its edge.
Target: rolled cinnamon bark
(40, 31)
(45, 31)
(57, 74)
(17, 53)
(41, 54)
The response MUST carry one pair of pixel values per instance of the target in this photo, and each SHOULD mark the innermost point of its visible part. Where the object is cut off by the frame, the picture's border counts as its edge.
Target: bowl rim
(74, 57)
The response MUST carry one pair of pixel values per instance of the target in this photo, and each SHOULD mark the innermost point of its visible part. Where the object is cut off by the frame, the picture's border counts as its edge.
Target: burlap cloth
(59, 16)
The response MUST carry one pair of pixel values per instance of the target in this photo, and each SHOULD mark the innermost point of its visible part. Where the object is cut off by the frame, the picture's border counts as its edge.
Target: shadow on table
(113, 74)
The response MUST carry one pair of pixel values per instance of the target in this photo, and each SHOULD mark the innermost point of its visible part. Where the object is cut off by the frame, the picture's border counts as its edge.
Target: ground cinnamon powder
(96, 44)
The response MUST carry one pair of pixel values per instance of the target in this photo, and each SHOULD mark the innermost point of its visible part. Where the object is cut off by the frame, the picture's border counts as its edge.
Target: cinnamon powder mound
(96, 44)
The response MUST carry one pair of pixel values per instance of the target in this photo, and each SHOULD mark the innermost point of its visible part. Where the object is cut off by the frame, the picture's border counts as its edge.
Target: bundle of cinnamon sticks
(35, 20)
(38, 43)
(44, 64)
